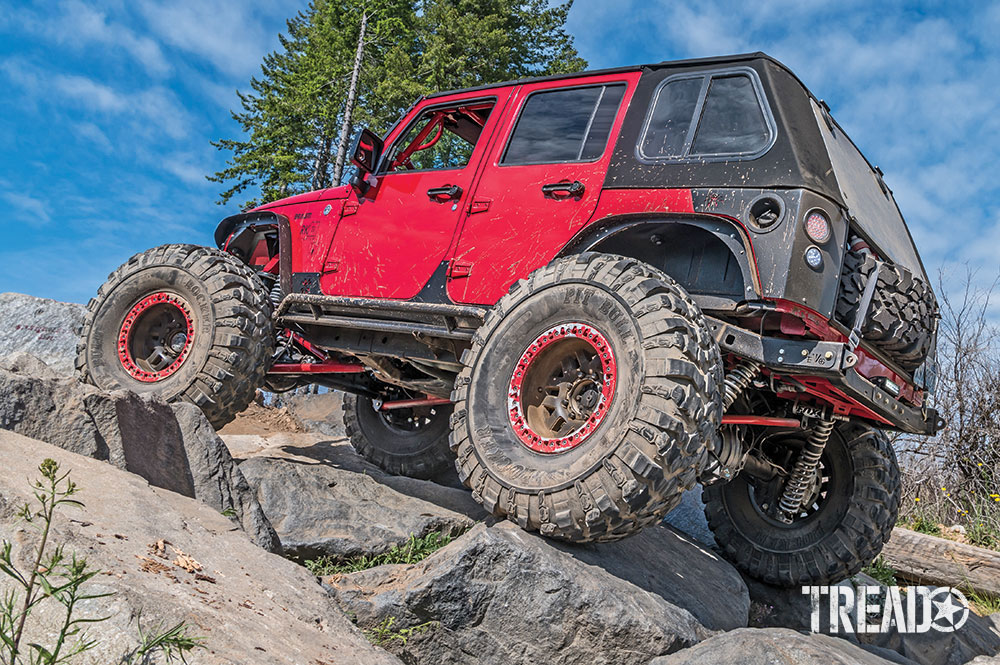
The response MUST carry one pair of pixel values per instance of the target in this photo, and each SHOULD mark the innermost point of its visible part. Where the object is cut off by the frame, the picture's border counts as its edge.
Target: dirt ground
(259, 419)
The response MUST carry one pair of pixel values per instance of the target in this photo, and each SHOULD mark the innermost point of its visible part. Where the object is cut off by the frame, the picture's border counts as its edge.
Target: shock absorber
(276, 294)
(804, 471)
(727, 456)
(737, 380)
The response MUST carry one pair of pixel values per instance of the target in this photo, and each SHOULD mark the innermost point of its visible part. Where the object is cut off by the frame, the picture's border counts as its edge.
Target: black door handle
(446, 193)
(574, 188)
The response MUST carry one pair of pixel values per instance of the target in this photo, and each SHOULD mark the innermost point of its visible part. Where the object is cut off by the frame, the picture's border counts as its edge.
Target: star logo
(951, 609)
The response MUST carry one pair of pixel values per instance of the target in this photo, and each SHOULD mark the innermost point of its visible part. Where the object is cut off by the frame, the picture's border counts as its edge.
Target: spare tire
(183, 322)
(901, 319)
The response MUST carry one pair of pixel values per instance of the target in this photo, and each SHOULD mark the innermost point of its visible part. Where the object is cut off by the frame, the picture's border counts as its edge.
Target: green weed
(881, 571)
(415, 550)
(382, 634)
(56, 577)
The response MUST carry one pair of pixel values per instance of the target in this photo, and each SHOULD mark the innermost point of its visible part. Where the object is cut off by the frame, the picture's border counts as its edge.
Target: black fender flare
(235, 223)
(731, 233)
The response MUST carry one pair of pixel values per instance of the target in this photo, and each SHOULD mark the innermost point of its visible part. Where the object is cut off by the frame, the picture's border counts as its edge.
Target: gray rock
(778, 607)
(318, 509)
(499, 595)
(689, 517)
(777, 646)
(985, 660)
(171, 446)
(339, 454)
(975, 638)
(790, 608)
(46, 328)
(249, 606)
(679, 569)
(322, 413)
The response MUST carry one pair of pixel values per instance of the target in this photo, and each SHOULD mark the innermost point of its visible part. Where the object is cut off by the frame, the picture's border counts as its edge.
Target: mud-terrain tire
(653, 432)
(227, 315)
(847, 531)
(901, 319)
(392, 443)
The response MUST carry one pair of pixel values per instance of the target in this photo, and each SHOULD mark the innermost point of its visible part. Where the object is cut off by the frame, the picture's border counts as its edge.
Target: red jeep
(587, 292)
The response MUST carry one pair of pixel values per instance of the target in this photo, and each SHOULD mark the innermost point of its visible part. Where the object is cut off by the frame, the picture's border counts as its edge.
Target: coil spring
(737, 380)
(276, 294)
(805, 467)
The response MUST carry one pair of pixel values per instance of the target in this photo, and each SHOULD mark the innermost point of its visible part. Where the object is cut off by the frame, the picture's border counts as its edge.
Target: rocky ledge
(185, 525)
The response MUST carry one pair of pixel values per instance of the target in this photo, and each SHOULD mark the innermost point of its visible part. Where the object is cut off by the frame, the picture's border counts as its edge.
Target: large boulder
(322, 413)
(46, 328)
(170, 445)
(790, 608)
(778, 646)
(319, 509)
(167, 558)
(499, 595)
(679, 569)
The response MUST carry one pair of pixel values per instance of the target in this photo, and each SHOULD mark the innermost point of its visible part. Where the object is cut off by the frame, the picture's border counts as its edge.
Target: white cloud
(186, 168)
(94, 134)
(81, 26)
(229, 35)
(27, 209)
(153, 110)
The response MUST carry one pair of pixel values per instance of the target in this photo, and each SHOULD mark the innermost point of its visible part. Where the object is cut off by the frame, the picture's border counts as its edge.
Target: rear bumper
(834, 365)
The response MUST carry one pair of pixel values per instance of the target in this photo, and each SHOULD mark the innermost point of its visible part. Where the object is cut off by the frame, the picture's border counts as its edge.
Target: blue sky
(110, 106)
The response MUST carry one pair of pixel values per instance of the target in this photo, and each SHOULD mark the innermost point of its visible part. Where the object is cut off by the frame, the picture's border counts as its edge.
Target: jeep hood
(330, 193)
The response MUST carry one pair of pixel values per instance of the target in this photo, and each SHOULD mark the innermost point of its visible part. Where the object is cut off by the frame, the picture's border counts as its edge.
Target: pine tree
(344, 64)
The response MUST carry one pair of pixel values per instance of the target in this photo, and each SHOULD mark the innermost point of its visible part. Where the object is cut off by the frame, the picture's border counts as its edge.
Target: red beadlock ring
(125, 337)
(609, 375)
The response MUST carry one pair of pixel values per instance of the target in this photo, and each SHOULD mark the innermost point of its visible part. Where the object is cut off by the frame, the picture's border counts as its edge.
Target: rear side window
(705, 117)
(568, 125)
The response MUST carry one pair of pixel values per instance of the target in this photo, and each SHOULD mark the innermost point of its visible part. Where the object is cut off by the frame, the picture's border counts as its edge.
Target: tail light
(817, 227)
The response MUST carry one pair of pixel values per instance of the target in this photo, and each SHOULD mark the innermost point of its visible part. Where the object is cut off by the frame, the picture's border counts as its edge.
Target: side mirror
(367, 151)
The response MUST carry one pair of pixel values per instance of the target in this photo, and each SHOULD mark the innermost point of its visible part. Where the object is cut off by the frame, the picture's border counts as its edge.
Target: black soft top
(810, 151)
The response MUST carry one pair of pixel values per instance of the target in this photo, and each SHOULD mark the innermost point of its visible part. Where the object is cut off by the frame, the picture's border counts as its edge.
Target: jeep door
(390, 242)
(541, 181)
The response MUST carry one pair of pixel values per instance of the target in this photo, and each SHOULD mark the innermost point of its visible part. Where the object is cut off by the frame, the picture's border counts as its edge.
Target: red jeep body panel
(516, 228)
(390, 243)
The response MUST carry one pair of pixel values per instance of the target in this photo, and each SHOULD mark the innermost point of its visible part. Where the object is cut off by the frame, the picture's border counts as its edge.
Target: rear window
(567, 125)
(720, 115)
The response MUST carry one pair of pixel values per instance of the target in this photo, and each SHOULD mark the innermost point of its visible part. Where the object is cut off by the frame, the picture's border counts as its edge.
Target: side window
(720, 115)
(441, 138)
(732, 121)
(567, 125)
(670, 120)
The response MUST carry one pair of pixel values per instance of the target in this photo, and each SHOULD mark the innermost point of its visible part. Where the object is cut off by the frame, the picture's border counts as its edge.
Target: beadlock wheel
(588, 399)
(155, 337)
(562, 388)
(404, 442)
(846, 517)
(183, 322)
